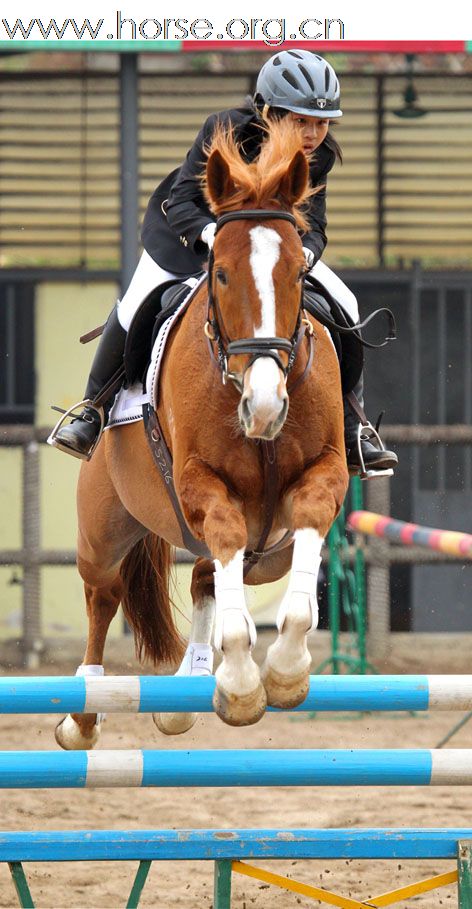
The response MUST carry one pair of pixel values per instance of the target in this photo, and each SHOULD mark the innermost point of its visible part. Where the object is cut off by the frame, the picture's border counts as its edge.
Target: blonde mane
(259, 182)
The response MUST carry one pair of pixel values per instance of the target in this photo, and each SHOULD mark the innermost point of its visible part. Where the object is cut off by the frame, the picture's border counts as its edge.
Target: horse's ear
(219, 182)
(294, 182)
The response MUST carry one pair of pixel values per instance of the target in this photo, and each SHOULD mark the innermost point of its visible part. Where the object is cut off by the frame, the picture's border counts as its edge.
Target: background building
(84, 140)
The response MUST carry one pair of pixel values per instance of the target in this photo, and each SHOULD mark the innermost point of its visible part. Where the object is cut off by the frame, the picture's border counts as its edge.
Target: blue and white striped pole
(174, 694)
(215, 768)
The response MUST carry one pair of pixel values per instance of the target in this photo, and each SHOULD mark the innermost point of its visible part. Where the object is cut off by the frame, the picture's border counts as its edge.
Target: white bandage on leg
(230, 600)
(85, 669)
(303, 583)
(90, 669)
(198, 660)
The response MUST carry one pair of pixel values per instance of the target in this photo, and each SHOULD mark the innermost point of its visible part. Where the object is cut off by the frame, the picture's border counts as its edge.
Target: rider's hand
(309, 257)
(208, 234)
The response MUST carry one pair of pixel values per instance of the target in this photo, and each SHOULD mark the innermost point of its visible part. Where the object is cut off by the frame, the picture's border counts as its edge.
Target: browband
(254, 214)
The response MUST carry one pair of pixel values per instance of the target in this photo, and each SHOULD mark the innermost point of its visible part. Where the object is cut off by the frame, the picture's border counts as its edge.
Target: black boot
(80, 437)
(372, 458)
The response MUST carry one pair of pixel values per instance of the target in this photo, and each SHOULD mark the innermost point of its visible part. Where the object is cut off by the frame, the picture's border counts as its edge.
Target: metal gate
(426, 378)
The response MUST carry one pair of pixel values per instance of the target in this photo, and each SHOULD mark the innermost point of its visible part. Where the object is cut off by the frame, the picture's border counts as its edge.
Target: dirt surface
(187, 885)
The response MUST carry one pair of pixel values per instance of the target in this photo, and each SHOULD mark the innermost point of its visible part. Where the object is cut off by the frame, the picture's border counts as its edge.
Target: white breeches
(337, 289)
(149, 275)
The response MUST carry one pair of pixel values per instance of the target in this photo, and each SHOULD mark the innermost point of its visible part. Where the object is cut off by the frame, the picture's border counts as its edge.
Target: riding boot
(374, 455)
(79, 437)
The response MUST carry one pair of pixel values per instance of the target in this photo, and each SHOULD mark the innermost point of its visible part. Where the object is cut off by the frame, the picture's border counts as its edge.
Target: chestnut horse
(214, 429)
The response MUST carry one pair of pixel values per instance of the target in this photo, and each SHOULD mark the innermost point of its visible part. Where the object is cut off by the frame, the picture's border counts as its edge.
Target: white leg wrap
(85, 669)
(302, 588)
(198, 660)
(231, 602)
(92, 669)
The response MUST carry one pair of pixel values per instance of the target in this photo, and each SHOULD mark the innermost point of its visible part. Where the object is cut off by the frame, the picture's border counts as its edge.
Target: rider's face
(314, 131)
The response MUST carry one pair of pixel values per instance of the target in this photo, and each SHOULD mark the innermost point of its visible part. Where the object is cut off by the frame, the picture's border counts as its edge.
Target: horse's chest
(245, 469)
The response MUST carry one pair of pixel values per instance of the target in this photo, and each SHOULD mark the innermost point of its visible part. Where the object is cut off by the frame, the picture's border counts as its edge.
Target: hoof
(174, 723)
(285, 691)
(70, 737)
(240, 710)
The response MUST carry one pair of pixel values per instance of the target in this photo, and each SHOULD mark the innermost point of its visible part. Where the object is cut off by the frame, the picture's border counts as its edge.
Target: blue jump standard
(154, 694)
(130, 845)
(216, 768)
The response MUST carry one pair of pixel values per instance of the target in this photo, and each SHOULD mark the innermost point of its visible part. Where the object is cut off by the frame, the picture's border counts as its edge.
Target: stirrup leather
(367, 431)
(52, 440)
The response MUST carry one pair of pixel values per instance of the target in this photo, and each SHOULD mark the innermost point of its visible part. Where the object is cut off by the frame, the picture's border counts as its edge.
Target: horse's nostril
(245, 409)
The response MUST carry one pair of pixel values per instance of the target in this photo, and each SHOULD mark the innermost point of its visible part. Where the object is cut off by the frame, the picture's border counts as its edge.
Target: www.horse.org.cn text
(272, 32)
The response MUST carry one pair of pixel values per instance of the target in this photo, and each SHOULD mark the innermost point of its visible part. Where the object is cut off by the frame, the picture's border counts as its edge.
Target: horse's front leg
(312, 504)
(216, 517)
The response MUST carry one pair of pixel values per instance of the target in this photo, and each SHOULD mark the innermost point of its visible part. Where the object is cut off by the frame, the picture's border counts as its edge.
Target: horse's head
(256, 270)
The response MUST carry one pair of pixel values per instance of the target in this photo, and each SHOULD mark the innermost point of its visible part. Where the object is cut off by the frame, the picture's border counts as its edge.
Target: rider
(179, 228)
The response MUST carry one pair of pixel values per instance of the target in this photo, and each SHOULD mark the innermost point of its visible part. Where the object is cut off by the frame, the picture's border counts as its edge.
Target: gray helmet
(301, 82)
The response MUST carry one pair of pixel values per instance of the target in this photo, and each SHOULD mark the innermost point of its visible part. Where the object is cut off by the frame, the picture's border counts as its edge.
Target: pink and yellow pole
(449, 541)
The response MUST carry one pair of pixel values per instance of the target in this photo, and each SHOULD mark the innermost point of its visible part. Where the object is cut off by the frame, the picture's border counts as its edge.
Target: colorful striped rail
(156, 694)
(250, 767)
(451, 542)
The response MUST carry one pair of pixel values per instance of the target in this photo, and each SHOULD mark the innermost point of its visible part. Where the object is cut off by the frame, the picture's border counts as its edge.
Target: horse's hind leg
(106, 533)
(198, 658)
(82, 730)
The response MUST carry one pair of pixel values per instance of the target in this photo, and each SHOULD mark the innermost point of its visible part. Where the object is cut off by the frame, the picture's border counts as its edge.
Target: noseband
(255, 347)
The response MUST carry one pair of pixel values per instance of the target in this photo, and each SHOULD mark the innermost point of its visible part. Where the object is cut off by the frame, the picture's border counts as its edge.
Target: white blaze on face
(264, 376)
(265, 252)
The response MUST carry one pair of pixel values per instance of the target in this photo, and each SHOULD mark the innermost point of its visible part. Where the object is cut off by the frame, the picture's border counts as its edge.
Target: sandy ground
(189, 886)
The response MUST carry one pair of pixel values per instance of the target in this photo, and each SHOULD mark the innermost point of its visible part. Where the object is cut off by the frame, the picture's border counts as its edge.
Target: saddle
(153, 312)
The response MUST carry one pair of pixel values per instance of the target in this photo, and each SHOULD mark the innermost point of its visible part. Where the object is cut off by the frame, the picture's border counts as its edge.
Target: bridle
(256, 347)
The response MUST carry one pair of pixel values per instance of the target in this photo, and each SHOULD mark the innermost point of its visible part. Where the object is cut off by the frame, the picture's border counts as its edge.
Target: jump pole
(249, 767)
(181, 694)
(451, 542)
(230, 849)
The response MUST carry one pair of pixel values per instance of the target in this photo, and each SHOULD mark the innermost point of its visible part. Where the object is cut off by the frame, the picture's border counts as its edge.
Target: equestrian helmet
(301, 82)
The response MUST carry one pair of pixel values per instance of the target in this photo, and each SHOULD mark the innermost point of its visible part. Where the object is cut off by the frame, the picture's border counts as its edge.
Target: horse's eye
(301, 274)
(221, 276)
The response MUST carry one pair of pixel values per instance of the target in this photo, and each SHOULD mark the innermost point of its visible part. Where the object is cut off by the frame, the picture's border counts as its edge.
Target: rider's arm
(315, 239)
(186, 209)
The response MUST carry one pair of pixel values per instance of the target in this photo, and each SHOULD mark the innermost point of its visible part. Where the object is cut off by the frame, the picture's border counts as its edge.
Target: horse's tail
(146, 602)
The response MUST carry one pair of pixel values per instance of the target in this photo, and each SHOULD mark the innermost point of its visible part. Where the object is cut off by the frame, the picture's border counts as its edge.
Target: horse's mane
(258, 183)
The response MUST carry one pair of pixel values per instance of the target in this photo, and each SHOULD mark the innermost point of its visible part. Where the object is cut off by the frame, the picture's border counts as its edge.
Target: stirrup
(367, 431)
(83, 456)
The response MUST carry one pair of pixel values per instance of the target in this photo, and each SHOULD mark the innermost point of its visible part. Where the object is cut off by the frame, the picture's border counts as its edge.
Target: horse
(245, 370)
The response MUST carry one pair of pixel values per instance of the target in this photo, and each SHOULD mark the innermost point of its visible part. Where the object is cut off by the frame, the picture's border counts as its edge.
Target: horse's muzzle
(261, 423)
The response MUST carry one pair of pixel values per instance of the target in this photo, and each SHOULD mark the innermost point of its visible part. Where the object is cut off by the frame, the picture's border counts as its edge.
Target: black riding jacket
(177, 211)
